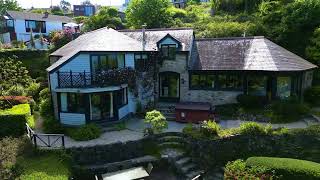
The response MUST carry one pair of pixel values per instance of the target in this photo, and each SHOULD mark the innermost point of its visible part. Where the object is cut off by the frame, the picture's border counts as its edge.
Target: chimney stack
(144, 37)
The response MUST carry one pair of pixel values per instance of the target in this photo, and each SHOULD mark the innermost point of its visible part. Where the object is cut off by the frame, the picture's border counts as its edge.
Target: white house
(18, 25)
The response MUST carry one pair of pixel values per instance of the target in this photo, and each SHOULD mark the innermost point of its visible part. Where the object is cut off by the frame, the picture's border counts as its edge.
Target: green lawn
(46, 166)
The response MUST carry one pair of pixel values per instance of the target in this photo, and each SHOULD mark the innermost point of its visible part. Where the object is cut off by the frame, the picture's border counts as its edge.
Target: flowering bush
(117, 77)
(209, 128)
(61, 38)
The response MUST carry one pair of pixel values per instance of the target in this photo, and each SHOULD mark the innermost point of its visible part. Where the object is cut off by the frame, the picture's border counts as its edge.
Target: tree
(65, 6)
(61, 38)
(86, 2)
(32, 43)
(107, 16)
(154, 13)
(6, 5)
(313, 49)
(13, 73)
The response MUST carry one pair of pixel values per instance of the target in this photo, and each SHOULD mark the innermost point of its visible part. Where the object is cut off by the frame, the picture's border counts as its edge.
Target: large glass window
(72, 102)
(283, 87)
(257, 85)
(168, 51)
(141, 62)
(107, 61)
(36, 26)
(216, 81)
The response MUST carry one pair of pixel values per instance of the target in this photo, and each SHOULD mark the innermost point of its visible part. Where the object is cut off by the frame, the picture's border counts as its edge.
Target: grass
(46, 166)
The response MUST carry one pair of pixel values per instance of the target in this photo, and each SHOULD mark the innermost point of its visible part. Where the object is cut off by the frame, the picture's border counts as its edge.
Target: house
(18, 24)
(92, 78)
(84, 10)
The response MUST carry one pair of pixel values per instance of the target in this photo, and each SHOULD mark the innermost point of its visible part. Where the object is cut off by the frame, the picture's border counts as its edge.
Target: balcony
(105, 78)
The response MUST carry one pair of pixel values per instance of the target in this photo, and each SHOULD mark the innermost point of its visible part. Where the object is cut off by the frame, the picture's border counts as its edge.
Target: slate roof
(250, 53)
(38, 16)
(184, 35)
(104, 39)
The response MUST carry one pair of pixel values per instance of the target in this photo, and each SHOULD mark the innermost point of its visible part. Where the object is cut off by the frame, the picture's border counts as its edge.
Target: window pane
(112, 61)
(144, 56)
(203, 80)
(211, 81)
(172, 52)
(165, 51)
(195, 80)
(257, 85)
(94, 64)
(283, 87)
(64, 102)
(120, 61)
(104, 62)
(222, 81)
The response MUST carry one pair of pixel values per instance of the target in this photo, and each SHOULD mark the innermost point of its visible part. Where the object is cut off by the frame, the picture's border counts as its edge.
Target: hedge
(288, 168)
(12, 121)
(22, 53)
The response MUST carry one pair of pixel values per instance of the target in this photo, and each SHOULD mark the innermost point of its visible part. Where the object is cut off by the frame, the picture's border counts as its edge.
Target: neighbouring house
(91, 78)
(18, 25)
(84, 10)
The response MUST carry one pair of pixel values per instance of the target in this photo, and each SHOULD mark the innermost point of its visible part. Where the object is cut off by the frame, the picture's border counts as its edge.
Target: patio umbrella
(71, 25)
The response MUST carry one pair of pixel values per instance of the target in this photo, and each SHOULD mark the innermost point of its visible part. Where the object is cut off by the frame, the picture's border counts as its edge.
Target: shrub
(10, 149)
(52, 126)
(192, 131)
(209, 128)
(84, 133)
(238, 170)
(287, 111)
(44, 94)
(12, 121)
(313, 130)
(17, 90)
(46, 108)
(156, 121)
(288, 168)
(253, 128)
(252, 102)
(33, 90)
(9, 101)
(312, 95)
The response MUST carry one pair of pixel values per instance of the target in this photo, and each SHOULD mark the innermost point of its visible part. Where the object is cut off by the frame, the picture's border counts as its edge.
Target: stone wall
(214, 97)
(212, 153)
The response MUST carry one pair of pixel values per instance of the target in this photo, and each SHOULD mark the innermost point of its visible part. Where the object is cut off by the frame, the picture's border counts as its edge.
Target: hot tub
(193, 112)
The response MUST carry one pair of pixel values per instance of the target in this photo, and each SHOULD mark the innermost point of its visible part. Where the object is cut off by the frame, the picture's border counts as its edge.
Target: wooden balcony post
(58, 74)
(85, 78)
(71, 78)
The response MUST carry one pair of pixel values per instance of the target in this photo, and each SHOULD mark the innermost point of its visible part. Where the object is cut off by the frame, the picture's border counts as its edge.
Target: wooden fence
(45, 140)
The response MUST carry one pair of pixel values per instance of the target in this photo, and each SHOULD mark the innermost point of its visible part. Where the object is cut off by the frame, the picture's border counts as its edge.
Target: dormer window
(168, 51)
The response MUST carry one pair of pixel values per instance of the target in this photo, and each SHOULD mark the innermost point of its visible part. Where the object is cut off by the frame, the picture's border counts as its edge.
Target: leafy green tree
(107, 16)
(65, 6)
(290, 24)
(80, 19)
(313, 49)
(6, 5)
(154, 13)
(13, 73)
(55, 10)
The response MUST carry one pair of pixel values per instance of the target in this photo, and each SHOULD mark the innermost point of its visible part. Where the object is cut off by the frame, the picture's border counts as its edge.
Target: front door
(169, 86)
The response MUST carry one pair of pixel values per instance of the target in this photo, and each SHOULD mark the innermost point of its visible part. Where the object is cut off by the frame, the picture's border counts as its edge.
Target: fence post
(71, 78)
(63, 141)
(49, 145)
(35, 140)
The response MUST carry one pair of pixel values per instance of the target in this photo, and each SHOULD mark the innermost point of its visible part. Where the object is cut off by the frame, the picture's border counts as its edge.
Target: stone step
(171, 145)
(188, 167)
(171, 139)
(193, 174)
(183, 161)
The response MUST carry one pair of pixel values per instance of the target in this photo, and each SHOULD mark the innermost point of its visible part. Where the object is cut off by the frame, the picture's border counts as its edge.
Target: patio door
(169, 86)
(102, 107)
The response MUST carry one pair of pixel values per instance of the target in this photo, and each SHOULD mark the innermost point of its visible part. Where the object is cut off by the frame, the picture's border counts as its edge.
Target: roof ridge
(230, 38)
(156, 29)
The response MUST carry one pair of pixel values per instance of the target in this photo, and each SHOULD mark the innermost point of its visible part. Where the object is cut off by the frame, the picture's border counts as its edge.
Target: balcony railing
(99, 79)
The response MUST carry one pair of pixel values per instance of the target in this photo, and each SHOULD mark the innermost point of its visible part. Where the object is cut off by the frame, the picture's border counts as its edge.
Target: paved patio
(135, 128)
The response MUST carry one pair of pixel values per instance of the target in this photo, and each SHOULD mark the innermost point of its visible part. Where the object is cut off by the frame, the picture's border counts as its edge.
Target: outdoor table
(127, 174)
